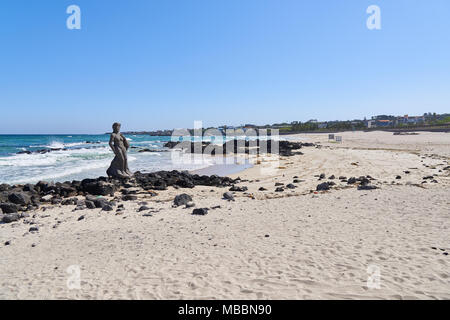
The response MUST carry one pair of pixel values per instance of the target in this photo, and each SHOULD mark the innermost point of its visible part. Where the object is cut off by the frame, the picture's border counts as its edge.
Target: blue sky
(154, 64)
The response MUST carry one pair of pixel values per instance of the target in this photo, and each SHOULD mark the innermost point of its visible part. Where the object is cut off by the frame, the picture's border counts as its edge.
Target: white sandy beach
(295, 244)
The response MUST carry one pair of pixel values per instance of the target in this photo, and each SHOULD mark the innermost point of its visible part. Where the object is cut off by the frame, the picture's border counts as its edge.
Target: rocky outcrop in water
(285, 148)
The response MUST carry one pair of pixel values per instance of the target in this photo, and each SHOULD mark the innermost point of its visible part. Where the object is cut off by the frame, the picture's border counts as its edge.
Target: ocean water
(76, 157)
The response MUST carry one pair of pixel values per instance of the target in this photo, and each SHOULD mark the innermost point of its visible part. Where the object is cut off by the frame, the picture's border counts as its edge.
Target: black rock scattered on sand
(10, 217)
(108, 207)
(20, 198)
(9, 208)
(323, 186)
(143, 208)
(129, 197)
(367, 187)
(200, 211)
(228, 196)
(182, 199)
(238, 189)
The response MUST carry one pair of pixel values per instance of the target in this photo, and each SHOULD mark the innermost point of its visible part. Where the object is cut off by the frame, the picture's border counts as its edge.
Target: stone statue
(120, 145)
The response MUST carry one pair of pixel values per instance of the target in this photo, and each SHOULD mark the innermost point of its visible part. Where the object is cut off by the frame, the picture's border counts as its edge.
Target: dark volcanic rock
(19, 198)
(367, 187)
(44, 187)
(238, 189)
(99, 188)
(291, 186)
(10, 217)
(9, 207)
(69, 202)
(157, 180)
(200, 211)
(363, 180)
(279, 189)
(323, 186)
(262, 189)
(90, 204)
(182, 199)
(352, 180)
(66, 190)
(285, 148)
(129, 197)
(143, 208)
(228, 196)
(100, 202)
(28, 188)
(108, 207)
(28, 197)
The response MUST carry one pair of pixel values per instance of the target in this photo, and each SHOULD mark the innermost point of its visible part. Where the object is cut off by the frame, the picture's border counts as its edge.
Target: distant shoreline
(422, 129)
(445, 128)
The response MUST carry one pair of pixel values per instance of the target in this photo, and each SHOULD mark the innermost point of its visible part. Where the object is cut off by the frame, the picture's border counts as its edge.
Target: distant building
(383, 123)
(410, 120)
(391, 121)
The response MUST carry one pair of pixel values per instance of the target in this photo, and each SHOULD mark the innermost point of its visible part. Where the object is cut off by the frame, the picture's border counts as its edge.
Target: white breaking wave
(50, 158)
(61, 172)
(59, 145)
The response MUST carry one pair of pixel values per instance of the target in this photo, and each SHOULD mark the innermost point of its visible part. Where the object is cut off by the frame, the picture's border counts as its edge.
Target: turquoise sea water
(76, 157)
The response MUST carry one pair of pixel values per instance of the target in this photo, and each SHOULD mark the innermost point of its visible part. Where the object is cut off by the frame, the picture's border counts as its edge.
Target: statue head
(116, 127)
